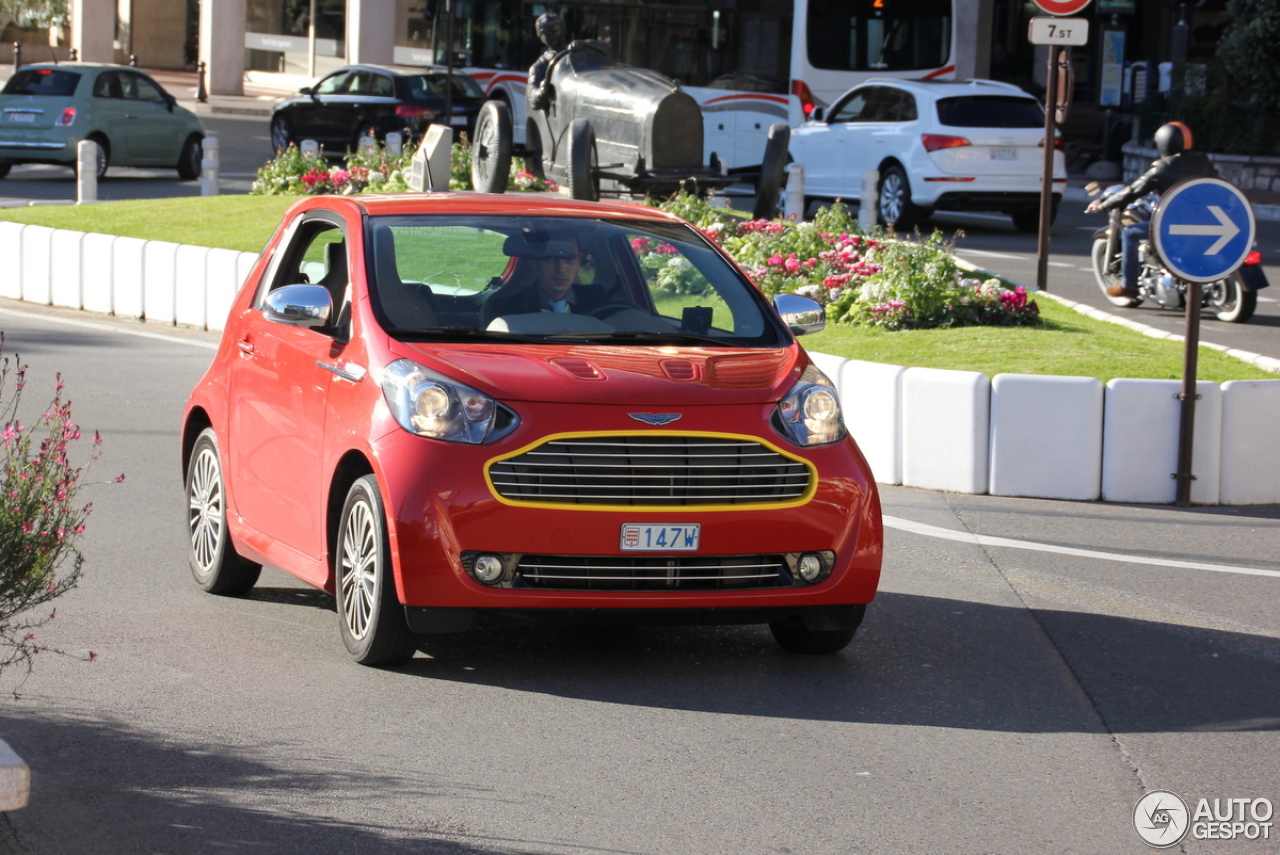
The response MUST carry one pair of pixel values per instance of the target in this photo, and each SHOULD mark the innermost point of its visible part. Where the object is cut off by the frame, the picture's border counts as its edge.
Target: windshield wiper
(462, 333)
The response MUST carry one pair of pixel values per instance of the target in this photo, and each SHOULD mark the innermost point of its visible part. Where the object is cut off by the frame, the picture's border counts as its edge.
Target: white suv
(975, 145)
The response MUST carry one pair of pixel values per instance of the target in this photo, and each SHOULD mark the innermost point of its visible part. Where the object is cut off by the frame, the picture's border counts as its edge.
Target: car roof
(950, 88)
(470, 203)
(82, 66)
(401, 70)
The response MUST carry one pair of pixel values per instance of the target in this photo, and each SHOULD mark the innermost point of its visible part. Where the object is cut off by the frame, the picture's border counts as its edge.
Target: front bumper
(440, 508)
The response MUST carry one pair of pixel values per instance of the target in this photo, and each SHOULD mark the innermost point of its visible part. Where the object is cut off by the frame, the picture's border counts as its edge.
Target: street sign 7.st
(1058, 31)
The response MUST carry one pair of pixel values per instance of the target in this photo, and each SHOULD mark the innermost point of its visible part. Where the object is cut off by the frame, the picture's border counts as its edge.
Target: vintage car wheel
(491, 153)
(373, 624)
(773, 171)
(190, 162)
(583, 182)
(213, 559)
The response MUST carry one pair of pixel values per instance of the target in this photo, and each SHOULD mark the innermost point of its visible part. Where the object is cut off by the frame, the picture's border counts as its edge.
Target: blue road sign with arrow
(1203, 229)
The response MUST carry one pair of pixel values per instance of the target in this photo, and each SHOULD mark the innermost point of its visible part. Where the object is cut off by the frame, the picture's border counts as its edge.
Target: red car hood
(616, 375)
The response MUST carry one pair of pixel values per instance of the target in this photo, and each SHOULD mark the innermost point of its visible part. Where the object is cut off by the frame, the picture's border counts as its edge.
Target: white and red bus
(749, 63)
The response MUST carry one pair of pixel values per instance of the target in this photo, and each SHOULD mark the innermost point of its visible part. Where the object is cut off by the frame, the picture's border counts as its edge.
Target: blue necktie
(560, 306)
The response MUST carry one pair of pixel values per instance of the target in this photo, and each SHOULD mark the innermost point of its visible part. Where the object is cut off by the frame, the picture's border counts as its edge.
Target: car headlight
(432, 405)
(810, 412)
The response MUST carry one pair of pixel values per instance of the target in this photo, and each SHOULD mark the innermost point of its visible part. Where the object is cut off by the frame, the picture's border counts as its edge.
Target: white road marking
(982, 253)
(985, 540)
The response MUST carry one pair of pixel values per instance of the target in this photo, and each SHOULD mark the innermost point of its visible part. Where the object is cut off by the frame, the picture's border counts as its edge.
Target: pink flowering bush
(40, 518)
(872, 280)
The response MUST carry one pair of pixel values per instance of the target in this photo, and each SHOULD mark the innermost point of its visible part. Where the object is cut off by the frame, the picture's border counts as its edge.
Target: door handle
(245, 346)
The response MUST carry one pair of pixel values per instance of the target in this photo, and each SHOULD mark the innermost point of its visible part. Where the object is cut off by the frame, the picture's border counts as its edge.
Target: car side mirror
(170, 102)
(802, 315)
(818, 114)
(307, 90)
(307, 306)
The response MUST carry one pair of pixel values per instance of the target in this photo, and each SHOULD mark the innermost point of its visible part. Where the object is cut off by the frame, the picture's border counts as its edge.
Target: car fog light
(488, 569)
(809, 567)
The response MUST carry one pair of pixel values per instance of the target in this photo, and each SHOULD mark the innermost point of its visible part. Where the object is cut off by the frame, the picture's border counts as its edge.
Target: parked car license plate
(652, 537)
(22, 117)
(1004, 154)
(457, 120)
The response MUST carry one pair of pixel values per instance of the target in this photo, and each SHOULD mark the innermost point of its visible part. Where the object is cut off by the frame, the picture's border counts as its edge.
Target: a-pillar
(222, 45)
(92, 25)
(371, 31)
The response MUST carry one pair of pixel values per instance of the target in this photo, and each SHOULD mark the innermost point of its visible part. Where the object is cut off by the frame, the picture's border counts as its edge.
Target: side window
(139, 88)
(317, 256)
(908, 113)
(382, 86)
(333, 84)
(850, 110)
(882, 105)
(108, 85)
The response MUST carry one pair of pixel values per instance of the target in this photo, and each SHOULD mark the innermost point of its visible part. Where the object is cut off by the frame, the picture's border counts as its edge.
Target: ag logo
(1161, 819)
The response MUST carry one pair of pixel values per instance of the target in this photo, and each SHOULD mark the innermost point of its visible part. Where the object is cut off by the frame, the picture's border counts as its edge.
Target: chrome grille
(650, 471)
(633, 573)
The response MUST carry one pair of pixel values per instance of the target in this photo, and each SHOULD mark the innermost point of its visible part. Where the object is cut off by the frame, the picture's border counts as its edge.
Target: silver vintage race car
(619, 130)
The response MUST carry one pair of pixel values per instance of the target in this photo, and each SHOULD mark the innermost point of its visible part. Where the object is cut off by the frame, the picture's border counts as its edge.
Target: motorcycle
(1232, 299)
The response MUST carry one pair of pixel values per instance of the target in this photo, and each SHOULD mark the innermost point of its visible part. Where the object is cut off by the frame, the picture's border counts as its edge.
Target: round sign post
(1202, 230)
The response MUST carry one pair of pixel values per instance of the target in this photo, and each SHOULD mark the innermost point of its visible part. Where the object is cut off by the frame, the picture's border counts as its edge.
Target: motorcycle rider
(1176, 162)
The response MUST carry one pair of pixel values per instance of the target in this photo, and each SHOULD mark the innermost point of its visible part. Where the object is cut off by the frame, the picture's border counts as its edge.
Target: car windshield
(552, 279)
(990, 111)
(48, 82)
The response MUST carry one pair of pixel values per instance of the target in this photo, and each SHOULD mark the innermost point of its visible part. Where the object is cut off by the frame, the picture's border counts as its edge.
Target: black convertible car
(616, 129)
(344, 105)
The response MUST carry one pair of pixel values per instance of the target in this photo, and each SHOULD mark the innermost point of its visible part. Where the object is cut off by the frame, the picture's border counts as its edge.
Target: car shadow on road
(918, 661)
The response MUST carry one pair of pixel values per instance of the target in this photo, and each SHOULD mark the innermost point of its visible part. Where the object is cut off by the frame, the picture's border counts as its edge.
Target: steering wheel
(610, 308)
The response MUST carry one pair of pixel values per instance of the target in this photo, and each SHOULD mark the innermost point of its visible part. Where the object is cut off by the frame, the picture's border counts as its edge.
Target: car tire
(583, 181)
(190, 162)
(281, 137)
(894, 205)
(215, 565)
(794, 636)
(4, 169)
(102, 157)
(1027, 221)
(372, 620)
(773, 172)
(491, 148)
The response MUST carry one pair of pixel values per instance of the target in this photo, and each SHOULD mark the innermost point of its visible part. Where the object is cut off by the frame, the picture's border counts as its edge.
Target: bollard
(73, 55)
(133, 60)
(86, 171)
(202, 94)
(870, 200)
(209, 168)
(794, 207)
(395, 143)
(309, 148)
(17, 55)
(368, 142)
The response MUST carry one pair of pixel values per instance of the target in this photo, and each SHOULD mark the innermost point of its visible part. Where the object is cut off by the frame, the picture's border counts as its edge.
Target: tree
(33, 13)
(1249, 54)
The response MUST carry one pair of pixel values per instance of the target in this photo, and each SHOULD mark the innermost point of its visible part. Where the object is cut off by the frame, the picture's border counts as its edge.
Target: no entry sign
(1062, 7)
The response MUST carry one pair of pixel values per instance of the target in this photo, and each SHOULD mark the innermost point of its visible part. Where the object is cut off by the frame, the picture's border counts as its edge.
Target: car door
(279, 390)
(374, 96)
(868, 137)
(154, 133)
(327, 117)
(110, 114)
(824, 144)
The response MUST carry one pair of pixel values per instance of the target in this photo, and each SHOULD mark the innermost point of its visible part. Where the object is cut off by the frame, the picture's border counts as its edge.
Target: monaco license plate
(22, 117)
(1004, 154)
(457, 120)
(655, 537)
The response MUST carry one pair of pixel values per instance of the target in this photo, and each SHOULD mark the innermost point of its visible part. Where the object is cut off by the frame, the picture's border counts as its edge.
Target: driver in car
(555, 286)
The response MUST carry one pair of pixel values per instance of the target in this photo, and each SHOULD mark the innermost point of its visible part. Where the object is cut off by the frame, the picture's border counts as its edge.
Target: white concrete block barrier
(159, 282)
(1250, 462)
(1140, 442)
(66, 269)
(11, 252)
(945, 429)
(1046, 436)
(128, 257)
(871, 398)
(37, 253)
(97, 276)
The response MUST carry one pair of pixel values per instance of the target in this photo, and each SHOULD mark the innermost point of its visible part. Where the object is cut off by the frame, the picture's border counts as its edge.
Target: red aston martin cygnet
(451, 405)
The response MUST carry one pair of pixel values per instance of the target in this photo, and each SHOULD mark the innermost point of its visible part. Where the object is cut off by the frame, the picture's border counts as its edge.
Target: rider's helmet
(1173, 137)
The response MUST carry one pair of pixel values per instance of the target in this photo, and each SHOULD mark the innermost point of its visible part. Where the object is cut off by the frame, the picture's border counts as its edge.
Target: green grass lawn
(1068, 344)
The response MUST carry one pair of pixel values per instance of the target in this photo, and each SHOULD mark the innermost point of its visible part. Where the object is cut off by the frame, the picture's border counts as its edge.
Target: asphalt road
(999, 699)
